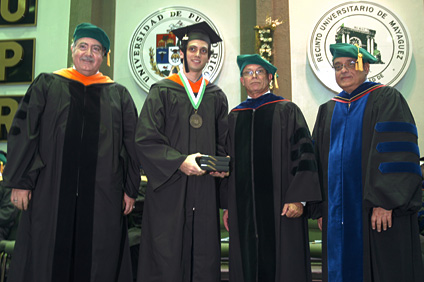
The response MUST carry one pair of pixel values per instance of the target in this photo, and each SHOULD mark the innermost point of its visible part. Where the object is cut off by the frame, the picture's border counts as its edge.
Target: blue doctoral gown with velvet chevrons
(366, 146)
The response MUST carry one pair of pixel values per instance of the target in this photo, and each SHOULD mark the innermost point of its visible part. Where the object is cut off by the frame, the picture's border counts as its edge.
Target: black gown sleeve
(159, 160)
(129, 114)
(24, 160)
(393, 127)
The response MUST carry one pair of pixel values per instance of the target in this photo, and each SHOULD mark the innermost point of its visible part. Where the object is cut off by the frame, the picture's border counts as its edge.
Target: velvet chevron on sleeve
(366, 146)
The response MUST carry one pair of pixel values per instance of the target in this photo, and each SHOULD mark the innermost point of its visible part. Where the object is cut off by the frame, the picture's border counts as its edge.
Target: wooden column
(247, 33)
(255, 12)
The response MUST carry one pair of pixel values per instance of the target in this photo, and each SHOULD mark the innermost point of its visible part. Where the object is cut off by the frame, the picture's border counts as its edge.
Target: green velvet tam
(255, 59)
(91, 31)
(339, 50)
(3, 158)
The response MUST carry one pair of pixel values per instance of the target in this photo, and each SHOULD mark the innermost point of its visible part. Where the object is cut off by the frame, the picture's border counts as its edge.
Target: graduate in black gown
(274, 174)
(368, 159)
(183, 117)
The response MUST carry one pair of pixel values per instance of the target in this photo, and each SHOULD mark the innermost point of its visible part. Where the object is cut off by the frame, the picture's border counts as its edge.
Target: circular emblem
(196, 120)
(372, 27)
(153, 49)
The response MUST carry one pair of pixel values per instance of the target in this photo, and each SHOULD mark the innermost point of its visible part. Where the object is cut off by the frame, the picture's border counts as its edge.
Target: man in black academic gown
(274, 174)
(73, 171)
(183, 117)
(368, 159)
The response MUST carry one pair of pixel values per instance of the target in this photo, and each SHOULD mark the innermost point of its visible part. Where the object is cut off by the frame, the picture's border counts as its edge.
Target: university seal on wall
(153, 49)
(371, 26)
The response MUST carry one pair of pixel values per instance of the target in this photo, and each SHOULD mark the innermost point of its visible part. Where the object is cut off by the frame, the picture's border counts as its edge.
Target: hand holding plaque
(214, 163)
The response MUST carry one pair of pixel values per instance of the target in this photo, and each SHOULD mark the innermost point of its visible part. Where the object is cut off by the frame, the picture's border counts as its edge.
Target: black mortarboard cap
(200, 31)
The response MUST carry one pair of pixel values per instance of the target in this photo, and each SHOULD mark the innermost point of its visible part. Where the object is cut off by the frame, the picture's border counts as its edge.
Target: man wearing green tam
(273, 176)
(368, 159)
(73, 171)
(184, 117)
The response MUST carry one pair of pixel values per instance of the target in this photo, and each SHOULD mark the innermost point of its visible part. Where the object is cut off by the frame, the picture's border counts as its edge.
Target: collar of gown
(73, 74)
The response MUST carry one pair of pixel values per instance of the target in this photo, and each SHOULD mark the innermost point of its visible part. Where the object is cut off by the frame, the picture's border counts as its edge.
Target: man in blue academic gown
(368, 160)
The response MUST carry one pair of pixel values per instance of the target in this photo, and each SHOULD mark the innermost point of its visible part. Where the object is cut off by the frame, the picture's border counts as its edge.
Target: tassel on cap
(108, 59)
(275, 81)
(359, 64)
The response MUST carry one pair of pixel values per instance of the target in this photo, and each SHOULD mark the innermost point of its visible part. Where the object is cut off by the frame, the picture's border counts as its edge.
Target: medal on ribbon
(196, 120)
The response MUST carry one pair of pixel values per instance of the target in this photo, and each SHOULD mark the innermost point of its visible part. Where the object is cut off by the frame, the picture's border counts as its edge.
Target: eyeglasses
(96, 49)
(349, 66)
(259, 72)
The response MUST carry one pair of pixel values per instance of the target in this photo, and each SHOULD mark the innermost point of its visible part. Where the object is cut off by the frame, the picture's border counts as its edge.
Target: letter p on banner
(11, 54)
(17, 61)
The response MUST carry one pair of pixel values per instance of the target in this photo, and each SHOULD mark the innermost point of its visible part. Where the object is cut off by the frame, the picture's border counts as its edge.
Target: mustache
(87, 58)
